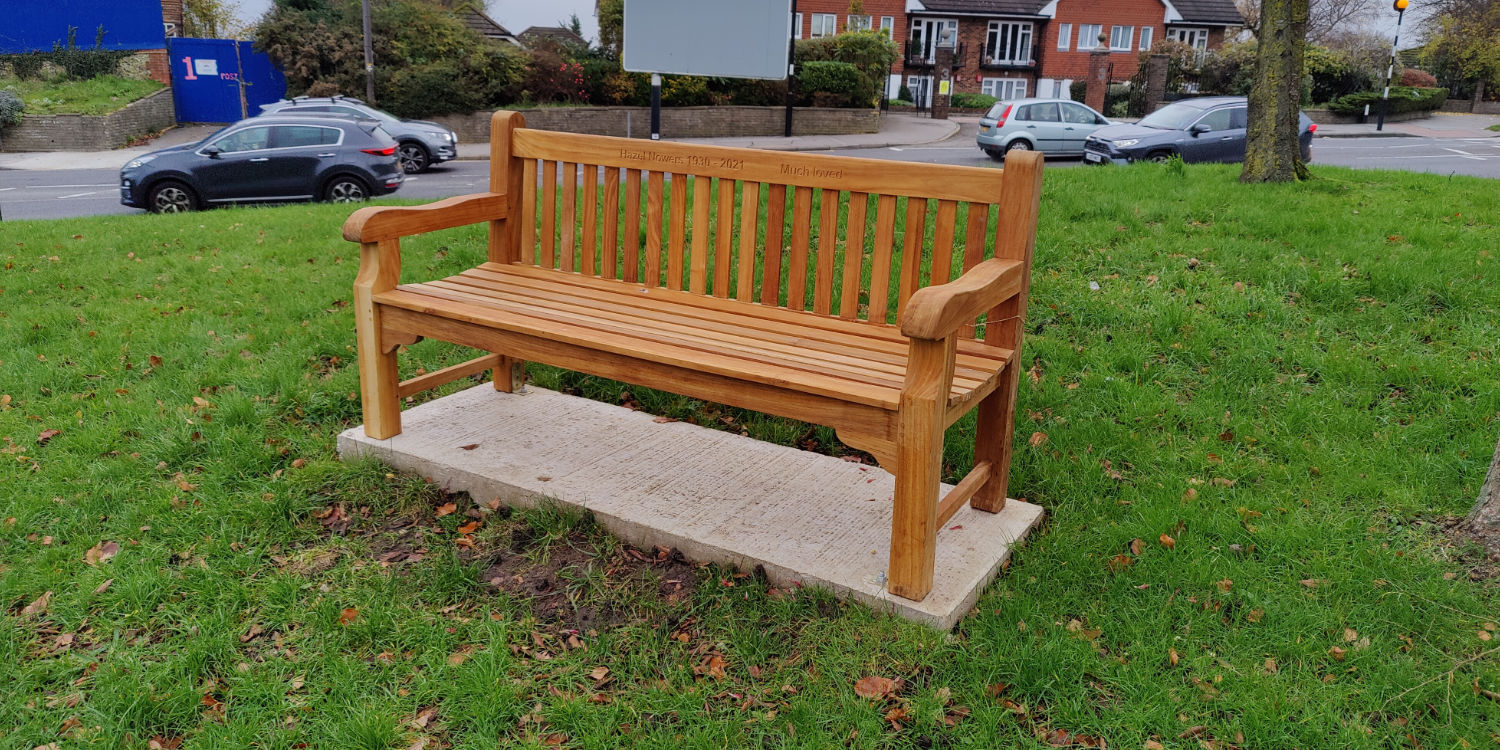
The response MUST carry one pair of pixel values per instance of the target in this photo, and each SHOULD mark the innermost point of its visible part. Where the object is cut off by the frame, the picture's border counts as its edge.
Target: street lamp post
(1385, 99)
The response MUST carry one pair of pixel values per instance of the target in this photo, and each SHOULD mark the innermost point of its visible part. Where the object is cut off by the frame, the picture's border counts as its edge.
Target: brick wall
(1074, 63)
(158, 67)
(171, 12)
(676, 122)
(91, 132)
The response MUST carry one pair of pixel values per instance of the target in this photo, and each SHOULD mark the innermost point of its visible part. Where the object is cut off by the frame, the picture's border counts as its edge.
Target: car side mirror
(1199, 129)
(211, 152)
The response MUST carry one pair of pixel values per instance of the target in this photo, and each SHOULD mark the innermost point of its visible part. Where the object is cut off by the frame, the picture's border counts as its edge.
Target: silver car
(421, 143)
(1053, 126)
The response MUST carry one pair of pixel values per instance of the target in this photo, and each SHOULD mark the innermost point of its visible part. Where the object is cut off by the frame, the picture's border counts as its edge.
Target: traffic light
(1400, 5)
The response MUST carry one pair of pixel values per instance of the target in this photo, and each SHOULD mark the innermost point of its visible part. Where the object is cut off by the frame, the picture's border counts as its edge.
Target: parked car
(1053, 126)
(267, 159)
(422, 143)
(1199, 130)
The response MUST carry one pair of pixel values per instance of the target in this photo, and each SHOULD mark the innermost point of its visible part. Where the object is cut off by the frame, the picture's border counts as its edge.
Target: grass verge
(1250, 438)
(96, 96)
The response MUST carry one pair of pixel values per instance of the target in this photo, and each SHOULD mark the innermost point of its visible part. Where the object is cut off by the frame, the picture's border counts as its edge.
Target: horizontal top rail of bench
(773, 167)
(378, 223)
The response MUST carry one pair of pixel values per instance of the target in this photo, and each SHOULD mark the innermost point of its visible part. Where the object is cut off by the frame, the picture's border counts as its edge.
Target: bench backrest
(714, 220)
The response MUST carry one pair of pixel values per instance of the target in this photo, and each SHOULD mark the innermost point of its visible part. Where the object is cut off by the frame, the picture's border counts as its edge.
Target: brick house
(1017, 48)
(819, 18)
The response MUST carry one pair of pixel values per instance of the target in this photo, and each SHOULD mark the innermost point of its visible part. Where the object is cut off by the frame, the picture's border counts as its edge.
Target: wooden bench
(673, 288)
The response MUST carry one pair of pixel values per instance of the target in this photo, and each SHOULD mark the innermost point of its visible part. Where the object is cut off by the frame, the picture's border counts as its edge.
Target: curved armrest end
(935, 312)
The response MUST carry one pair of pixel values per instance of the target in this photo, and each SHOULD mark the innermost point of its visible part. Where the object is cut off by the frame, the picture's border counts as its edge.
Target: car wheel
(1159, 157)
(995, 153)
(1018, 145)
(414, 158)
(345, 189)
(171, 197)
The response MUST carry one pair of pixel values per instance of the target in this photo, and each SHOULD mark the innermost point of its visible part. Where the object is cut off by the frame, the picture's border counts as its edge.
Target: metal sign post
(369, 58)
(655, 106)
(791, 70)
(1390, 68)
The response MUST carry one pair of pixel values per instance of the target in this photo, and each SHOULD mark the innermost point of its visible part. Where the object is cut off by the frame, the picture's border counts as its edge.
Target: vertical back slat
(828, 242)
(1015, 239)
(770, 277)
(854, 255)
(568, 186)
(942, 243)
(880, 262)
(610, 250)
(590, 211)
(796, 284)
(632, 225)
(911, 251)
(549, 213)
(654, 209)
(678, 238)
(749, 218)
(702, 202)
(528, 213)
(723, 236)
(979, 216)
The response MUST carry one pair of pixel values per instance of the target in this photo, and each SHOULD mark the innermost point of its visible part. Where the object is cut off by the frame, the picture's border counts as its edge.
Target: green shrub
(1418, 78)
(871, 53)
(904, 94)
(81, 64)
(685, 91)
(1230, 70)
(431, 89)
(11, 107)
(1078, 90)
(963, 100)
(1403, 99)
(823, 83)
(28, 65)
(1334, 73)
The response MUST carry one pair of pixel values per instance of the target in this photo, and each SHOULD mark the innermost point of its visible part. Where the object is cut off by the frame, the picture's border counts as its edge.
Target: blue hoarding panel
(31, 25)
(207, 76)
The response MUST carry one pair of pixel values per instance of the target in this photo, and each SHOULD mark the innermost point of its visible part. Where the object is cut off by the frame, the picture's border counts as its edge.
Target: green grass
(96, 96)
(1295, 382)
(1495, 127)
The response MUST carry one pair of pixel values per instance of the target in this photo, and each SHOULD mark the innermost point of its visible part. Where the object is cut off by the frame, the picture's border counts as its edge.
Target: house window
(858, 22)
(1088, 35)
(1195, 38)
(888, 25)
(1146, 33)
(1008, 43)
(797, 26)
(1064, 37)
(824, 24)
(1120, 38)
(1004, 88)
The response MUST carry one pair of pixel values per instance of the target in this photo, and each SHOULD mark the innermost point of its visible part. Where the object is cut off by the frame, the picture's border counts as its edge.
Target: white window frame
(1064, 37)
(1016, 34)
(796, 25)
(1087, 41)
(1147, 32)
(864, 22)
(1114, 38)
(1004, 89)
(914, 84)
(888, 25)
(1198, 34)
(825, 20)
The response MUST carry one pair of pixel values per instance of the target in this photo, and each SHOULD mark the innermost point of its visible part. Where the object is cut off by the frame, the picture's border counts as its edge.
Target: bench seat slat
(867, 365)
(842, 365)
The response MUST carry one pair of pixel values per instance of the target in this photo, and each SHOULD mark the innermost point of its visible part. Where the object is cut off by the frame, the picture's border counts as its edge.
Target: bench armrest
(378, 223)
(935, 312)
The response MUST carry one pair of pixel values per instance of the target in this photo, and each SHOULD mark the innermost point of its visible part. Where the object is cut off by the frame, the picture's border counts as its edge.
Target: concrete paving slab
(806, 518)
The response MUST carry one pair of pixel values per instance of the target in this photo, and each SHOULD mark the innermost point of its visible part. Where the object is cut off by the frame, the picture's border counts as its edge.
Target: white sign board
(727, 38)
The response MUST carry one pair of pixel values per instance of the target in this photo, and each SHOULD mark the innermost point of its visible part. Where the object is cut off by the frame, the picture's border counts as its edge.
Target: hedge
(1403, 99)
(963, 100)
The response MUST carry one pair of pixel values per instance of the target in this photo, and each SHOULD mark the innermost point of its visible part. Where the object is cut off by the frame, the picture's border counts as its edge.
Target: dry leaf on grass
(876, 688)
(47, 436)
(101, 552)
(349, 615)
(37, 607)
(445, 509)
(1167, 541)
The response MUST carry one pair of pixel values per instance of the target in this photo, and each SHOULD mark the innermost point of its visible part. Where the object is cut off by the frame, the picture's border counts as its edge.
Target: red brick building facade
(1017, 48)
(819, 18)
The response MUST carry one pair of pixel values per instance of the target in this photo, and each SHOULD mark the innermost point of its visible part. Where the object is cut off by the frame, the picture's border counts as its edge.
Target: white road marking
(894, 148)
(5, 189)
(105, 184)
(77, 195)
(1465, 154)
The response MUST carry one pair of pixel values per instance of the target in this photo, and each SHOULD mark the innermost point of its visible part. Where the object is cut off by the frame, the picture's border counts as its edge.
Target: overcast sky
(515, 15)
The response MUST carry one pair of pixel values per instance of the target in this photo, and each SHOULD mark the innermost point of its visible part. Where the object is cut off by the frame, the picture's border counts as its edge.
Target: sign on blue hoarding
(221, 80)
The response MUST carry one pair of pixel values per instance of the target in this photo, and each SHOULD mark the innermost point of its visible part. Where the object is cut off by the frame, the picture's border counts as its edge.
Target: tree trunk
(1272, 152)
(1484, 519)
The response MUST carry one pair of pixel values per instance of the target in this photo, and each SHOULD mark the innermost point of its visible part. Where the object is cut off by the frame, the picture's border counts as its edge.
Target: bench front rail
(763, 280)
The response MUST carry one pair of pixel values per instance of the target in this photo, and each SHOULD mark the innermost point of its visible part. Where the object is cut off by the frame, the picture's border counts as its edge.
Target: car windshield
(1171, 117)
(382, 114)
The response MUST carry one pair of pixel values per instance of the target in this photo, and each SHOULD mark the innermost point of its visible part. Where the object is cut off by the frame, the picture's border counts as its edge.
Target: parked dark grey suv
(266, 159)
(422, 143)
(1199, 130)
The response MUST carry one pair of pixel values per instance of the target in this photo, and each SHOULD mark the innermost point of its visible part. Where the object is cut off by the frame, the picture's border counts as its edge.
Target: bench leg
(919, 465)
(510, 375)
(993, 441)
(378, 377)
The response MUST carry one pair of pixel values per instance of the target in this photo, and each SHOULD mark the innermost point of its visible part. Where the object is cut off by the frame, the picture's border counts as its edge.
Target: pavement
(1439, 125)
(895, 130)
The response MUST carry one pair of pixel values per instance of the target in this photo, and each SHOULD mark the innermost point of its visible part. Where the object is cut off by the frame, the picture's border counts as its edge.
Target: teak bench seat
(588, 273)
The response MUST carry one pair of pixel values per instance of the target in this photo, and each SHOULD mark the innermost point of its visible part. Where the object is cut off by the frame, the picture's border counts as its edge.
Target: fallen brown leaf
(1167, 541)
(350, 614)
(47, 436)
(1172, 656)
(103, 586)
(876, 688)
(469, 447)
(1136, 545)
(101, 552)
(37, 607)
(445, 509)
(1038, 439)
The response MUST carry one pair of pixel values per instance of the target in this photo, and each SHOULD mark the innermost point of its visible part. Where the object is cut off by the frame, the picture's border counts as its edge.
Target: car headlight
(1127, 142)
(139, 161)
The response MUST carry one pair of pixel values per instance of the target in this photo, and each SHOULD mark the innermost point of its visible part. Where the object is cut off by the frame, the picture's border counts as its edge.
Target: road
(89, 192)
